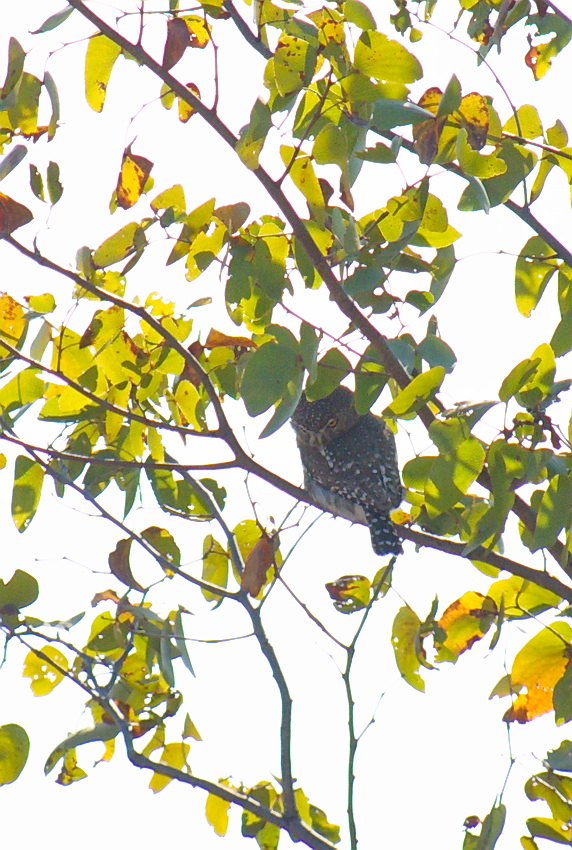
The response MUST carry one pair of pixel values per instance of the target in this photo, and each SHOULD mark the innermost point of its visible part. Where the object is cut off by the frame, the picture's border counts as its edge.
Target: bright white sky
(429, 760)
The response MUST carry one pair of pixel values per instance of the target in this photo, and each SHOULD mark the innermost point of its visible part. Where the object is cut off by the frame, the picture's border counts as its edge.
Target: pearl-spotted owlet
(350, 464)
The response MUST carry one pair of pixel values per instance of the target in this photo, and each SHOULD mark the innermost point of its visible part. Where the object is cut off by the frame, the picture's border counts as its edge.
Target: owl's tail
(384, 537)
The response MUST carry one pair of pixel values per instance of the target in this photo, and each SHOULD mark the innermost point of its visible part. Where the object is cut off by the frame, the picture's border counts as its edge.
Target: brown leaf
(259, 563)
(350, 593)
(104, 596)
(426, 134)
(475, 112)
(177, 42)
(132, 178)
(217, 339)
(119, 563)
(12, 214)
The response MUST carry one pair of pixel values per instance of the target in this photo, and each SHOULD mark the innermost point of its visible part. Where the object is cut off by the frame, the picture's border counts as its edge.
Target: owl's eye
(332, 423)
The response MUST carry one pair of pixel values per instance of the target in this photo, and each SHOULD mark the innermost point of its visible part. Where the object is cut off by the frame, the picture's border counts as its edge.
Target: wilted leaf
(260, 564)
(135, 171)
(350, 593)
(12, 214)
(475, 114)
(216, 339)
(119, 563)
(464, 622)
(176, 43)
(538, 666)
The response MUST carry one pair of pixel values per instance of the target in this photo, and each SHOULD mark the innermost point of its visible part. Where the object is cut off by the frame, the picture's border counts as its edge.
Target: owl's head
(317, 423)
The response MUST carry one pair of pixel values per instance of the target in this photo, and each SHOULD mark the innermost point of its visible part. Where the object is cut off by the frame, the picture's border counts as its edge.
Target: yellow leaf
(538, 666)
(174, 755)
(43, 674)
(100, 58)
(404, 638)
(132, 179)
(465, 621)
(12, 321)
(216, 812)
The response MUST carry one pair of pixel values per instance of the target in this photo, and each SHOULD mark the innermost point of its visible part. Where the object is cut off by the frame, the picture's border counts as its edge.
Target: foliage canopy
(108, 385)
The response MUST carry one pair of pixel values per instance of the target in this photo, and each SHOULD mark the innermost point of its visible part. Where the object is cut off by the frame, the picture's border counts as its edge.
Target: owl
(350, 464)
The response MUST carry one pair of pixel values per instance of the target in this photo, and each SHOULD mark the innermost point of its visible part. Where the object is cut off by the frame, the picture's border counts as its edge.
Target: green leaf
(118, 246)
(519, 163)
(525, 123)
(54, 20)
(164, 543)
(55, 188)
(450, 99)
(98, 732)
(550, 828)
(293, 63)
(538, 386)
(287, 405)
(252, 137)
(383, 59)
(492, 828)
(181, 642)
(215, 567)
(331, 370)
(561, 342)
(390, 113)
(36, 183)
(356, 12)
(436, 352)
(173, 197)
(101, 55)
(554, 512)
(12, 159)
(562, 699)
(517, 378)
(28, 481)
(535, 266)
(51, 88)
(24, 113)
(19, 592)
(14, 748)
(561, 757)
(16, 59)
(330, 146)
(267, 374)
(22, 389)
